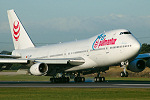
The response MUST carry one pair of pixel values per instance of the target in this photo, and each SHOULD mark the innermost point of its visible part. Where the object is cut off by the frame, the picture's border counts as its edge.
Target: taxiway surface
(107, 84)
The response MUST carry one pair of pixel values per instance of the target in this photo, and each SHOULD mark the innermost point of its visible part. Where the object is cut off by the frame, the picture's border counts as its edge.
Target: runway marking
(47, 84)
(65, 86)
(133, 84)
(79, 86)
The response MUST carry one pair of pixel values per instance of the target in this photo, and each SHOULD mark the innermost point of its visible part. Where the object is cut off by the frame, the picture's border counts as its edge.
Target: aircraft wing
(143, 56)
(8, 56)
(71, 61)
(11, 61)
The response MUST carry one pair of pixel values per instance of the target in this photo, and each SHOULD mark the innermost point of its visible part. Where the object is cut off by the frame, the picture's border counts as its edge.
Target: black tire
(67, 79)
(83, 79)
(95, 79)
(103, 79)
(122, 74)
(75, 79)
(63, 80)
(100, 79)
(52, 80)
(79, 79)
(127, 74)
(56, 80)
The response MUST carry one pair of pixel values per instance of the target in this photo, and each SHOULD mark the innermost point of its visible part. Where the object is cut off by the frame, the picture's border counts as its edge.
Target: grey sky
(53, 21)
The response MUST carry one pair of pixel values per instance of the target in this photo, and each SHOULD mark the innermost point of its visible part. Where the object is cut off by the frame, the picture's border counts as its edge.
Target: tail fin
(20, 37)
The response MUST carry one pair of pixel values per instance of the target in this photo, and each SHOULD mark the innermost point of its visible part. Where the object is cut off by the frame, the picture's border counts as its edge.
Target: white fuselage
(105, 49)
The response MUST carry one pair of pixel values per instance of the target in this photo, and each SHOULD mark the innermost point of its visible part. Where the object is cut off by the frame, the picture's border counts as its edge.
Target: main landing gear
(124, 65)
(98, 78)
(79, 79)
(62, 79)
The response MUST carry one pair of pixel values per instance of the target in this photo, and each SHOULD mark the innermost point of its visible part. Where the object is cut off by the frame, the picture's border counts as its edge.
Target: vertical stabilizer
(20, 37)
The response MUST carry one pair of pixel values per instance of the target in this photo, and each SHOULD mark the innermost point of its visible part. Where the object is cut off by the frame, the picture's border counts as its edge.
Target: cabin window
(125, 33)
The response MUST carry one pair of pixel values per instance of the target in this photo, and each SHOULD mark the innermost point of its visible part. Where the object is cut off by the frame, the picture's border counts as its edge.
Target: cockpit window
(125, 33)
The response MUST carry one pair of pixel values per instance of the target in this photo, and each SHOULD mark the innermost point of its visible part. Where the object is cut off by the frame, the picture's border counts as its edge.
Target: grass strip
(74, 94)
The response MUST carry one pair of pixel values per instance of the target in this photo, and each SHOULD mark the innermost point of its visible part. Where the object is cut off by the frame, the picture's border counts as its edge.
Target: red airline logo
(102, 41)
(16, 30)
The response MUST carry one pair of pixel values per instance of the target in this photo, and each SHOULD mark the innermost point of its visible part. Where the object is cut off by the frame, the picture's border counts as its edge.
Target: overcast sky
(53, 21)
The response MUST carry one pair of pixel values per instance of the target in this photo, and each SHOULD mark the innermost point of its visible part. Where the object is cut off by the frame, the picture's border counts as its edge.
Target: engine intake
(136, 65)
(39, 69)
(148, 63)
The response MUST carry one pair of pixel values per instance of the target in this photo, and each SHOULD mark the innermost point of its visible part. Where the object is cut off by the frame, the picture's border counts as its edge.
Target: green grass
(73, 94)
(129, 78)
(9, 71)
(23, 78)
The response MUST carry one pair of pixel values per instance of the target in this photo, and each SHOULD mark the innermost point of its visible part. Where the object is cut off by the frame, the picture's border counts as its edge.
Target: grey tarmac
(107, 84)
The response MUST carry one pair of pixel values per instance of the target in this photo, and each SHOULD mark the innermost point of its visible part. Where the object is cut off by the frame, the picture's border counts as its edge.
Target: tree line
(145, 48)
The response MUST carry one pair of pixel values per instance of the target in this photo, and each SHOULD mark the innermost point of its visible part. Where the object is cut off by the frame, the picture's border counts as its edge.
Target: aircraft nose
(137, 46)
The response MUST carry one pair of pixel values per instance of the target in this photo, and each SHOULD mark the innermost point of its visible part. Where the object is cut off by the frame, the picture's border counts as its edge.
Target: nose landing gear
(123, 74)
(124, 65)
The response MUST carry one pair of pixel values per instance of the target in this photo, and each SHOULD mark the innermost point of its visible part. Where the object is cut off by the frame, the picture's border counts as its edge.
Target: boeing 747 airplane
(92, 55)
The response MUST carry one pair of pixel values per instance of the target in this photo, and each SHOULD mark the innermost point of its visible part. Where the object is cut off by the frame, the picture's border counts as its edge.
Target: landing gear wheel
(79, 79)
(103, 79)
(122, 74)
(60, 80)
(95, 79)
(124, 65)
(99, 79)
(68, 80)
(83, 79)
(126, 75)
(52, 80)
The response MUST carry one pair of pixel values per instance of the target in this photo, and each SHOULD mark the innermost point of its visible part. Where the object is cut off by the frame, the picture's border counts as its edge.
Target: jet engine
(39, 69)
(136, 65)
(148, 63)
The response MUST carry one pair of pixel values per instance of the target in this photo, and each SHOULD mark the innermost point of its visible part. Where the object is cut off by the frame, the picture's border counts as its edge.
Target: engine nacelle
(39, 69)
(136, 65)
(148, 63)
